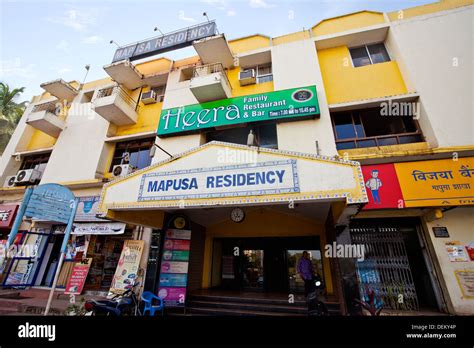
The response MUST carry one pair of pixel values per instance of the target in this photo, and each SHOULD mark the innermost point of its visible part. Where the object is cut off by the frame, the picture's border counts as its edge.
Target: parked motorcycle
(124, 304)
(316, 307)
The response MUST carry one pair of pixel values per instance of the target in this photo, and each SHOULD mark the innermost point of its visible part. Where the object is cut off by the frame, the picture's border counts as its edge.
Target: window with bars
(264, 72)
(369, 54)
(138, 150)
(368, 128)
(38, 161)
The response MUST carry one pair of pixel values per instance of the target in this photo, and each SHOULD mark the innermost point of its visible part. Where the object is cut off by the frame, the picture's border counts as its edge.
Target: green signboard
(287, 104)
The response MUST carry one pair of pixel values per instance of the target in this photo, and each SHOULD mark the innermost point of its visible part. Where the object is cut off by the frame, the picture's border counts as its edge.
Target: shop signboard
(78, 277)
(249, 179)
(288, 104)
(444, 182)
(174, 274)
(50, 202)
(164, 43)
(102, 228)
(441, 232)
(87, 209)
(128, 265)
(7, 215)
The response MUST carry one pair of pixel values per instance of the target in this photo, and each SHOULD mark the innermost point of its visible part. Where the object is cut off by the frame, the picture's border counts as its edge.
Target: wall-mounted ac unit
(149, 97)
(10, 181)
(28, 176)
(121, 170)
(247, 77)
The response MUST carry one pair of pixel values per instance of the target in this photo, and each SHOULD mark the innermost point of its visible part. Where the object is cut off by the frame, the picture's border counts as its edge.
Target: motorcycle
(316, 307)
(123, 304)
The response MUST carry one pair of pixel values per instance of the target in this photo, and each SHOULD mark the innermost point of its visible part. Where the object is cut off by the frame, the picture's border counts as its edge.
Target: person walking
(306, 271)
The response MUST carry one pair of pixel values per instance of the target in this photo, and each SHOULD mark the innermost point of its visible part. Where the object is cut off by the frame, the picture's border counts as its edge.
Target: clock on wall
(237, 215)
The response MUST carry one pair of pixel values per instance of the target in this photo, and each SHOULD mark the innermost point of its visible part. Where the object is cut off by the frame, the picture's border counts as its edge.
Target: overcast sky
(46, 40)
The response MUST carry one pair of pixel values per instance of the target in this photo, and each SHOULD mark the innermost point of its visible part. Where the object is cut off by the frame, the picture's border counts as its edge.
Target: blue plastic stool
(148, 298)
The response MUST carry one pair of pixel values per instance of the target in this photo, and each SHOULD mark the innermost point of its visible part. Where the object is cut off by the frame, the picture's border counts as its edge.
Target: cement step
(250, 307)
(233, 312)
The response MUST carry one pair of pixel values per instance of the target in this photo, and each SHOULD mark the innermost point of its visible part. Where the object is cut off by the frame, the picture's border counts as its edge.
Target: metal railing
(52, 107)
(114, 90)
(203, 70)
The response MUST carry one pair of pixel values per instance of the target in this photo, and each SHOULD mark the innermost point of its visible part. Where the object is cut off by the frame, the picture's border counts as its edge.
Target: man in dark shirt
(306, 271)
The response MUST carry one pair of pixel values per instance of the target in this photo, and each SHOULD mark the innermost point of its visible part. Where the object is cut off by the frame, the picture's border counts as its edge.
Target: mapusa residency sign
(286, 104)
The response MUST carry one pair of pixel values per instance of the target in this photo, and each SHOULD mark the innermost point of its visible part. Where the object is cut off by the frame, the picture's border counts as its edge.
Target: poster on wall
(78, 277)
(456, 252)
(87, 209)
(383, 188)
(174, 267)
(470, 250)
(465, 280)
(128, 265)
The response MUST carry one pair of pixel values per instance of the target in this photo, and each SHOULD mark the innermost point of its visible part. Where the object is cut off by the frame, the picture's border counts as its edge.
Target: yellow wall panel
(154, 66)
(148, 117)
(441, 5)
(249, 43)
(344, 83)
(348, 22)
(299, 35)
(40, 140)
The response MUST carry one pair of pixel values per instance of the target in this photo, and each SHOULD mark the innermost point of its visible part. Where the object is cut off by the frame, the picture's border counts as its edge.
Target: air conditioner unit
(247, 77)
(10, 181)
(122, 170)
(149, 97)
(160, 98)
(28, 176)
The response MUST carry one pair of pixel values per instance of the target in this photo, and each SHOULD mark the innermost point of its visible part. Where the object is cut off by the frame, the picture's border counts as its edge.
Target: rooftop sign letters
(167, 42)
(285, 104)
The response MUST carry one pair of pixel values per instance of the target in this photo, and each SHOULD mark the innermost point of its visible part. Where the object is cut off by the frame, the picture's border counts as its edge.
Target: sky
(46, 40)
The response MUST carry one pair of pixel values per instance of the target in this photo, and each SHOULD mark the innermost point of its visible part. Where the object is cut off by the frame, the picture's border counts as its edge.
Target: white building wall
(460, 224)
(296, 64)
(437, 52)
(78, 150)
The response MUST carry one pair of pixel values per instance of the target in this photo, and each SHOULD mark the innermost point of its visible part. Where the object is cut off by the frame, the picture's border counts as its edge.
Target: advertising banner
(294, 103)
(128, 266)
(174, 274)
(465, 280)
(444, 182)
(78, 277)
(87, 209)
(274, 177)
(383, 189)
(7, 215)
(102, 228)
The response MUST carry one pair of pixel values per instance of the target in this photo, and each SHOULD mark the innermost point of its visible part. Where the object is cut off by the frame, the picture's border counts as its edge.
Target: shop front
(247, 215)
(7, 216)
(419, 215)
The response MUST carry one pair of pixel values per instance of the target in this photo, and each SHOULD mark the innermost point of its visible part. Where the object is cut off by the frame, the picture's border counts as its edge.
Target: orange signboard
(444, 182)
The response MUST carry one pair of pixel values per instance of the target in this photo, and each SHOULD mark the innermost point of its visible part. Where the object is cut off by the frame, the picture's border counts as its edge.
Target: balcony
(210, 82)
(44, 117)
(214, 49)
(60, 89)
(115, 105)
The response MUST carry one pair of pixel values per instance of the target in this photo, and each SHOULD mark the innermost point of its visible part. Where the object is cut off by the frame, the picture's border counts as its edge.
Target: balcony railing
(51, 107)
(114, 90)
(208, 69)
(46, 117)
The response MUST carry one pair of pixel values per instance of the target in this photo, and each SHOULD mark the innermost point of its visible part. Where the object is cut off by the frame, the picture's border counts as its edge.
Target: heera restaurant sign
(272, 177)
(285, 104)
(167, 42)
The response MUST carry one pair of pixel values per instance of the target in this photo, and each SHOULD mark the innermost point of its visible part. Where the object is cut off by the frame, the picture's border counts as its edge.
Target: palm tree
(10, 112)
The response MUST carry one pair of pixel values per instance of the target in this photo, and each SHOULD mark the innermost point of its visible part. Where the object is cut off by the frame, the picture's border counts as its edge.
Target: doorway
(263, 264)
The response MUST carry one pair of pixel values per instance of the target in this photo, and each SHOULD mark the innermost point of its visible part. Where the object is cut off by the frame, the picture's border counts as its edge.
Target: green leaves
(10, 112)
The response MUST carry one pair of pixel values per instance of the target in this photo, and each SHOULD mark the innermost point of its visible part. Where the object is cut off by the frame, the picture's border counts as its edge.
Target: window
(138, 150)
(368, 128)
(369, 54)
(35, 161)
(159, 92)
(263, 73)
(266, 135)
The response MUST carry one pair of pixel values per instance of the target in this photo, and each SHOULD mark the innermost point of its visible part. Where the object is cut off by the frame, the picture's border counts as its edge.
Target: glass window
(264, 73)
(370, 54)
(371, 128)
(267, 136)
(344, 126)
(138, 150)
(378, 53)
(360, 57)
